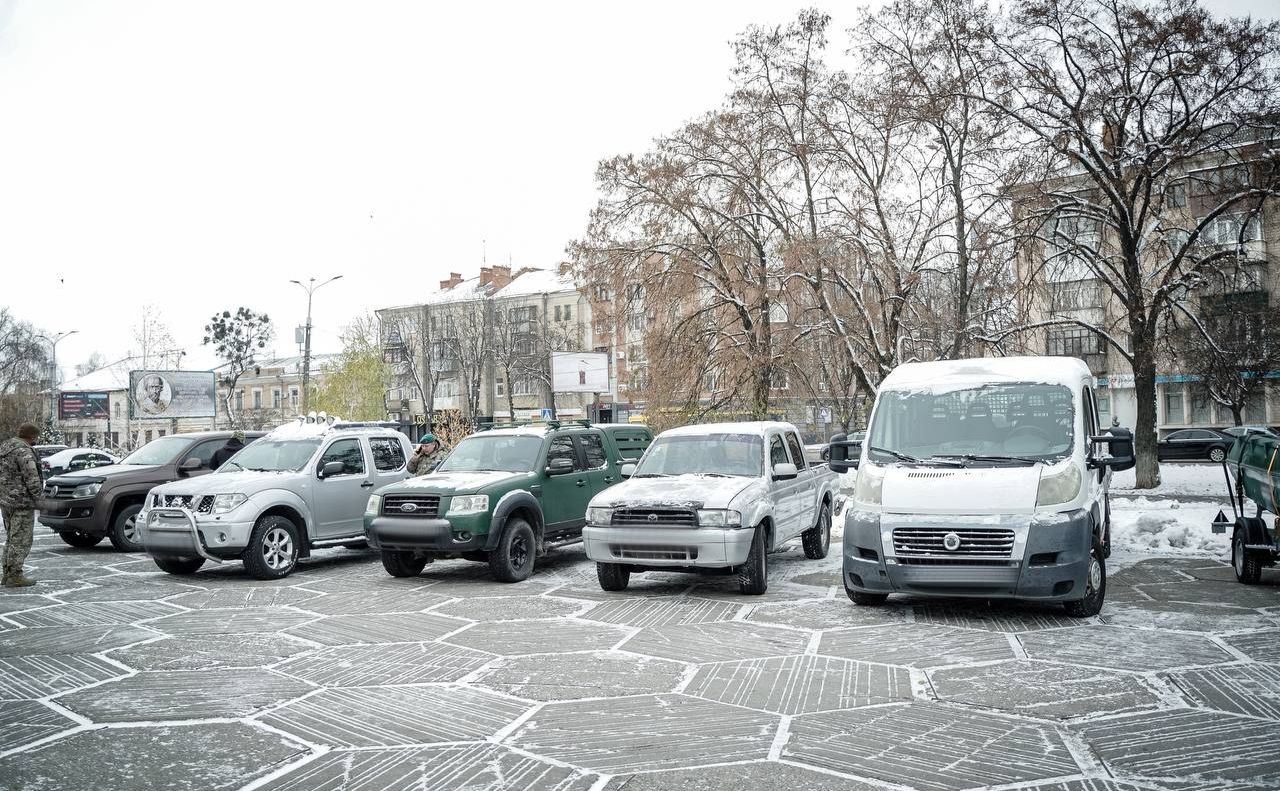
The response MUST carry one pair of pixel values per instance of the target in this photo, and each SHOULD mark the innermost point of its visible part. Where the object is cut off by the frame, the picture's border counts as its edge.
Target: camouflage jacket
(20, 481)
(421, 465)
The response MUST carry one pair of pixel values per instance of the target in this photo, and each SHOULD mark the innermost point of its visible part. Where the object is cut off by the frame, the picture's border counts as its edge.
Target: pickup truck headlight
(599, 516)
(870, 485)
(719, 517)
(373, 505)
(87, 489)
(222, 503)
(1057, 488)
(468, 504)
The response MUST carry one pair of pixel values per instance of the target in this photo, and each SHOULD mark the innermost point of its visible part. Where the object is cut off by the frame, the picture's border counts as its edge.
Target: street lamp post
(310, 287)
(53, 378)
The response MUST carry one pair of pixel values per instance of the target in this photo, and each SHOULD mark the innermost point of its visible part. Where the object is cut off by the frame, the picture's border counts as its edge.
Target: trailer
(1252, 472)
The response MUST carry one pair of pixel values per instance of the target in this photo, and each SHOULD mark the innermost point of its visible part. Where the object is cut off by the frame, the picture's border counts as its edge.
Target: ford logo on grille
(951, 542)
(409, 508)
(652, 517)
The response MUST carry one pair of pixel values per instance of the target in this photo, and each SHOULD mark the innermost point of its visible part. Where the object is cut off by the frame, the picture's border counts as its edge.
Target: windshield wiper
(981, 457)
(650, 475)
(913, 460)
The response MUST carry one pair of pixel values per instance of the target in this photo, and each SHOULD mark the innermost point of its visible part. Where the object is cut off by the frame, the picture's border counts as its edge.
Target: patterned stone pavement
(114, 675)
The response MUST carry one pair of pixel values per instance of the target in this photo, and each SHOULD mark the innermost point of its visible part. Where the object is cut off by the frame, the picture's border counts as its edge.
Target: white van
(984, 478)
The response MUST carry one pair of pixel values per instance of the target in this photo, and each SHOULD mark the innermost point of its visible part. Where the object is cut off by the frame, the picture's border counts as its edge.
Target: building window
(146, 436)
(160, 432)
(116, 409)
(1229, 229)
(1104, 409)
(602, 293)
(1173, 412)
(115, 438)
(1177, 195)
(257, 399)
(1075, 295)
(780, 380)
(1201, 406)
(499, 386)
(239, 400)
(275, 399)
(1220, 181)
(293, 398)
(522, 386)
(1072, 342)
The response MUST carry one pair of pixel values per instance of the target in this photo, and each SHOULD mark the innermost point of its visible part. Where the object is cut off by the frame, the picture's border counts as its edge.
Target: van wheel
(1245, 563)
(179, 565)
(402, 564)
(124, 529)
(81, 540)
(1095, 587)
(817, 539)
(753, 576)
(613, 576)
(273, 548)
(866, 599)
(512, 559)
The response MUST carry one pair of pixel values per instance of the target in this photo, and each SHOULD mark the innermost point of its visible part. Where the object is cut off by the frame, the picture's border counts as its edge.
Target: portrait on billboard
(154, 394)
(171, 394)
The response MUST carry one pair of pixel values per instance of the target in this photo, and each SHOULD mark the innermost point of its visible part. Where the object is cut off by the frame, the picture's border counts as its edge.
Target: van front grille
(933, 542)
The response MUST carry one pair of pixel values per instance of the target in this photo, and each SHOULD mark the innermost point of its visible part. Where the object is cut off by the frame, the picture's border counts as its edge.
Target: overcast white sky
(199, 155)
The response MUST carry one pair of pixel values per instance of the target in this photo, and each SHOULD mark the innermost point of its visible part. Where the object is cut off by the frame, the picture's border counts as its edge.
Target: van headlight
(222, 503)
(468, 504)
(87, 490)
(598, 515)
(372, 505)
(870, 485)
(719, 517)
(1059, 487)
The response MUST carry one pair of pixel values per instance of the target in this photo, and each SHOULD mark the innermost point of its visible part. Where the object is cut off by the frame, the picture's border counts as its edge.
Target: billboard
(579, 372)
(83, 406)
(172, 394)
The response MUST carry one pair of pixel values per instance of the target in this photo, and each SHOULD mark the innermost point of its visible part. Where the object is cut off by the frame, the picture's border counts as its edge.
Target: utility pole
(310, 287)
(53, 377)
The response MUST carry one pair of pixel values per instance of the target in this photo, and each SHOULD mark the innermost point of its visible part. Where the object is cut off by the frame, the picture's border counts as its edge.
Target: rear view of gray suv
(87, 506)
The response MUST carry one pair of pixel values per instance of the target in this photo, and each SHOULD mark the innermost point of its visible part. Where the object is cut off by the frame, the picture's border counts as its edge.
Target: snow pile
(1166, 526)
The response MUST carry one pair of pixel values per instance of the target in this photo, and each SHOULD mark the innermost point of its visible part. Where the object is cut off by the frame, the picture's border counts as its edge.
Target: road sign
(546, 414)
(824, 414)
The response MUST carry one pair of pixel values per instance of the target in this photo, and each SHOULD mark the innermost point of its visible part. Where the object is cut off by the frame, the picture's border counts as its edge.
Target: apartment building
(270, 392)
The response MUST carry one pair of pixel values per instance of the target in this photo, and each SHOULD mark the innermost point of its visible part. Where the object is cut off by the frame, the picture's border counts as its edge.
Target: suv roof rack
(551, 424)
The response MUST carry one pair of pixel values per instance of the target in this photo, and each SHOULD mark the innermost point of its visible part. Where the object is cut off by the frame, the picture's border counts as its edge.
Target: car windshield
(159, 451)
(985, 424)
(269, 455)
(505, 452)
(703, 454)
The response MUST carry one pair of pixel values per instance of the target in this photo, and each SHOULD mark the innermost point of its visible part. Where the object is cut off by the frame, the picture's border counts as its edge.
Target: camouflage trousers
(19, 523)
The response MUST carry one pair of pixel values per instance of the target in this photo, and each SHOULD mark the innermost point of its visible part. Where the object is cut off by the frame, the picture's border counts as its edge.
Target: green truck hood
(449, 483)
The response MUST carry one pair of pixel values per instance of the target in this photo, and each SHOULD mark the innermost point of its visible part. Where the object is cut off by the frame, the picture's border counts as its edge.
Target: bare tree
(1143, 106)
(407, 347)
(96, 361)
(24, 372)
(1230, 347)
(155, 342)
(466, 340)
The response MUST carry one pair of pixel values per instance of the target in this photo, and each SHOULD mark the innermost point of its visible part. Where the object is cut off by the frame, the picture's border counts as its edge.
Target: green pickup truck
(501, 497)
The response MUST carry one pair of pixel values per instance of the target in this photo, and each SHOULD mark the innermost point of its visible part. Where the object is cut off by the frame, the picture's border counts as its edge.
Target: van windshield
(985, 424)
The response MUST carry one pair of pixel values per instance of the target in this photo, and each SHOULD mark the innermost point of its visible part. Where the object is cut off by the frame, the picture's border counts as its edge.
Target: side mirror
(559, 467)
(1119, 442)
(784, 471)
(331, 468)
(843, 454)
(190, 464)
(627, 470)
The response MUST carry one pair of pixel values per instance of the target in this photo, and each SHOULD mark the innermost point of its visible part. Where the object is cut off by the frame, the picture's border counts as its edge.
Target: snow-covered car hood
(695, 491)
(942, 490)
(464, 482)
(246, 482)
(108, 471)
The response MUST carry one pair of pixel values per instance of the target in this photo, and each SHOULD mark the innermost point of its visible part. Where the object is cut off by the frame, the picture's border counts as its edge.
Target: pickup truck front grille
(687, 554)
(56, 492)
(932, 542)
(413, 506)
(201, 505)
(176, 501)
(654, 517)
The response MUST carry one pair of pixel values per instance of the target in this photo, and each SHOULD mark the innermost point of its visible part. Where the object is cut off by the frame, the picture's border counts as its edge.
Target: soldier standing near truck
(20, 485)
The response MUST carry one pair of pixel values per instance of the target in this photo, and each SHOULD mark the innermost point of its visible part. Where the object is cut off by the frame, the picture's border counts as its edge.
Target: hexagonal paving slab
(39, 675)
(1152, 572)
(1208, 747)
(392, 628)
(647, 733)
(209, 651)
(385, 665)
(91, 614)
(662, 612)
(69, 640)
(26, 721)
(819, 579)
(759, 776)
(1086, 785)
(1184, 617)
(1215, 592)
(717, 642)
(929, 747)
(539, 637)
(826, 614)
(239, 598)
(640, 587)
(250, 619)
(575, 676)
(919, 645)
(996, 618)
(1042, 689)
(1122, 648)
(798, 684)
(509, 608)
(463, 766)
(123, 587)
(1261, 646)
(184, 695)
(1240, 689)
(160, 757)
(17, 602)
(382, 601)
(385, 716)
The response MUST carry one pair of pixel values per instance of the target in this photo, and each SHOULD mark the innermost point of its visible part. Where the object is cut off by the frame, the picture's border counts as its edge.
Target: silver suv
(302, 486)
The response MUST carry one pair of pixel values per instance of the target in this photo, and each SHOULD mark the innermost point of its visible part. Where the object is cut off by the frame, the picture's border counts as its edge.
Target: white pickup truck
(714, 498)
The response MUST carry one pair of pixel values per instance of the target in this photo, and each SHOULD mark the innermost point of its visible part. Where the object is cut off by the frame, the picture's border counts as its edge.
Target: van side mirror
(559, 467)
(1119, 442)
(784, 471)
(331, 468)
(627, 470)
(190, 464)
(843, 454)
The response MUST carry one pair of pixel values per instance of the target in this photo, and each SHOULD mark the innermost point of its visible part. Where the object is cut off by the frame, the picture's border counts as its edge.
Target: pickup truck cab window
(593, 450)
(346, 451)
(777, 451)
(797, 451)
(562, 448)
(388, 455)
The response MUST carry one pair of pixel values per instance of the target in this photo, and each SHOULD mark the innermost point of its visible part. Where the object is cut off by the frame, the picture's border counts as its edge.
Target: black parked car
(1194, 443)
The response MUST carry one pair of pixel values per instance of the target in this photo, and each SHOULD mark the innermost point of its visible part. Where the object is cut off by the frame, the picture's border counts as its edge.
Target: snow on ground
(1197, 480)
(1167, 527)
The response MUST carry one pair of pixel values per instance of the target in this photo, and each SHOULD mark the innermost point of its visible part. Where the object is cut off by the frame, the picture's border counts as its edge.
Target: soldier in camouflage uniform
(429, 453)
(20, 485)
